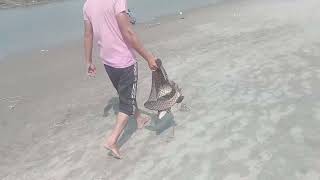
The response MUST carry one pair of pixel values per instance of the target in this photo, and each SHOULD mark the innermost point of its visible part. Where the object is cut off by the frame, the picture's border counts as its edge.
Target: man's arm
(131, 38)
(88, 41)
(88, 45)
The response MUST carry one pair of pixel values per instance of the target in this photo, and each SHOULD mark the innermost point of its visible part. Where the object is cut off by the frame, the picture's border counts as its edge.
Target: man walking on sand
(107, 22)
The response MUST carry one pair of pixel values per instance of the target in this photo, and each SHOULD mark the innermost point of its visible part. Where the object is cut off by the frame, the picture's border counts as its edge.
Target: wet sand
(250, 74)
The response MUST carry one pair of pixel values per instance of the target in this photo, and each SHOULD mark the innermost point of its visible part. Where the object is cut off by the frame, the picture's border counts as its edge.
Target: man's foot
(141, 121)
(114, 150)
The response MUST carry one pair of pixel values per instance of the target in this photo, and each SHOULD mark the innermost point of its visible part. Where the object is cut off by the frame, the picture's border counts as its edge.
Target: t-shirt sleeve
(85, 15)
(120, 6)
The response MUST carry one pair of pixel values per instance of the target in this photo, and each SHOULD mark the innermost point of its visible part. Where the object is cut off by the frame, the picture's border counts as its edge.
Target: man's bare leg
(111, 144)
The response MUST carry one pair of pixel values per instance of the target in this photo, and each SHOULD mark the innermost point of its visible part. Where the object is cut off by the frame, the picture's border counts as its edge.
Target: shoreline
(8, 6)
(46, 34)
(139, 26)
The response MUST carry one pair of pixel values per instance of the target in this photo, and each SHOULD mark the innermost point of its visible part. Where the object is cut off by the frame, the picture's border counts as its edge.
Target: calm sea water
(39, 27)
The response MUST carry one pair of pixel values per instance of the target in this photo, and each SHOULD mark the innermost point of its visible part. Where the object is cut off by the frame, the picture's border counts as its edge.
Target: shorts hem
(120, 67)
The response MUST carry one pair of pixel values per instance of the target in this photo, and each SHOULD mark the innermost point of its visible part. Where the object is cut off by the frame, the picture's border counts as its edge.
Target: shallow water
(39, 27)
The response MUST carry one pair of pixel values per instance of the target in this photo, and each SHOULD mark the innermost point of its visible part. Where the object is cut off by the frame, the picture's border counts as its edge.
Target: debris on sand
(181, 13)
(44, 50)
(11, 107)
(13, 101)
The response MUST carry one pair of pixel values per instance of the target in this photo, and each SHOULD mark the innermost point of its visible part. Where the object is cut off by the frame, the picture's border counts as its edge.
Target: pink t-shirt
(114, 51)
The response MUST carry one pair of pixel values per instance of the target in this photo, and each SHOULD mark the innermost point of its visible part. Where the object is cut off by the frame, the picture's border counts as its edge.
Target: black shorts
(125, 81)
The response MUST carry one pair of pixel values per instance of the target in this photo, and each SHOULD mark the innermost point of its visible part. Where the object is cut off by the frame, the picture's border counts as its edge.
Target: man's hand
(152, 64)
(91, 70)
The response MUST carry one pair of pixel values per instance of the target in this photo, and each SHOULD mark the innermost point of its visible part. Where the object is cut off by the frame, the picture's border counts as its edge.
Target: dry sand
(250, 73)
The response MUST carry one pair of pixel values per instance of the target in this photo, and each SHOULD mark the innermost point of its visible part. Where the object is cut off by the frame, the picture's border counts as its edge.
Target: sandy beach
(250, 73)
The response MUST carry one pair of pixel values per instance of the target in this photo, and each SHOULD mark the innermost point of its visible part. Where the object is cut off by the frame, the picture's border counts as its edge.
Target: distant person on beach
(107, 22)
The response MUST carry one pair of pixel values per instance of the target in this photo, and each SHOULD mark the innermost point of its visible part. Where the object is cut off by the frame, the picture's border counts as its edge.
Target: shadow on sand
(156, 124)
